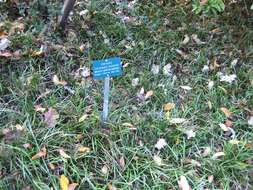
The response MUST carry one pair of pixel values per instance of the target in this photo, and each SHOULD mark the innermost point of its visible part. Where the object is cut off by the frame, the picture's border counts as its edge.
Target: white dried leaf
(210, 84)
(218, 154)
(205, 69)
(183, 183)
(186, 87)
(85, 72)
(196, 39)
(104, 170)
(158, 160)
(250, 121)
(177, 120)
(135, 82)
(83, 12)
(186, 39)
(167, 70)
(4, 43)
(223, 127)
(234, 62)
(155, 69)
(228, 78)
(190, 134)
(161, 143)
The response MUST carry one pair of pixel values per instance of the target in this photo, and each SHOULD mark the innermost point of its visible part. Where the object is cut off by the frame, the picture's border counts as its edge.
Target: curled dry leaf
(177, 120)
(183, 54)
(142, 96)
(51, 117)
(168, 106)
(83, 117)
(56, 81)
(183, 183)
(64, 182)
(149, 94)
(40, 154)
(186, 40)
(161, 143)
(196, 39)
(6, 54)
(83, 149)
(63, 153)
(218, 154)
(226, 111)
(51, 166)
(186, 87)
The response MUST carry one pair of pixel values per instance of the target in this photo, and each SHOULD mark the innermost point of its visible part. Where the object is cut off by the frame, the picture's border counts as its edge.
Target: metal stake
(106, 100)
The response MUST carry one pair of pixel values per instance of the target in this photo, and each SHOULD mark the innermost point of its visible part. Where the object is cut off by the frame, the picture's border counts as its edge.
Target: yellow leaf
(41, 153)
(64, 182)
(57, 81)
(63, 153)
(83, 149)
(168, 106)
(81, 119)
(226, 111)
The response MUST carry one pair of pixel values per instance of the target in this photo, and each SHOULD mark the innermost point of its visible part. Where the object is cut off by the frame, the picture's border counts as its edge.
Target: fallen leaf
(207, 151)
(111, 186)
(19, 127)
(186, 40)
(51, 166)
(226, 111)
(196, 39)
(195, 163)
(64, 182)
(183, 54)
(190, 134)
(27, 145)
(250, 121)
(83, 149)
(205, 69)
(42, 153)
(177, 120)
(83, 117)
(158, 160)
(210, 84)
(56, 81)
(186, 87)
(39, 108)
(155, 69)
(218, 154)
(216, 30)
(183, 183)
(234, 141)
(149, 94)
(51, 117)
(168, 106)
(104, 170)
(223, 127)
(122, 162)
(11, 135)
(234, 62)
(135, 82)
(72, 186)
(228, 78)
(6, 54)
(209, 103)
(210, 178)
(167, 70)
(4, 43)
(63, 153)
(229, 123)
(85, 72)
(38, 53)
(161, 143)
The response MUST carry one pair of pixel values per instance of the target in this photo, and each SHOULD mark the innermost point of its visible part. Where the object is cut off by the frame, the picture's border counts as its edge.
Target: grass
(152, 38)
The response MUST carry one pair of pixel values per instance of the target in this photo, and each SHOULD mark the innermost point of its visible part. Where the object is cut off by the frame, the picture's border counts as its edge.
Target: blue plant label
(109, 67)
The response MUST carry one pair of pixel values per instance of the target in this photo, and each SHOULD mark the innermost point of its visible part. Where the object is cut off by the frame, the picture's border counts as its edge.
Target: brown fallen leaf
(6, 54)
(57, 81)
(168, 106)
(50, 117)
(226, 111)
(149, 94)
(216, 30)
(51, 166)
(63, 153)
(183, 183)
(72, 186)
(183, 54)
(111, 186)
(42, 153)
(229, 123)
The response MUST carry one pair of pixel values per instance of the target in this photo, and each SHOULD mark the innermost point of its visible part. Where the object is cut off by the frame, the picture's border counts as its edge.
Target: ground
(50, 108)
